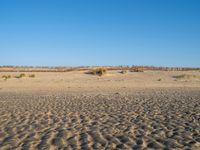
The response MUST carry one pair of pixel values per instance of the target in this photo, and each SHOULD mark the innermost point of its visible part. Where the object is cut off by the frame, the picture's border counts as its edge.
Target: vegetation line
(87, 68)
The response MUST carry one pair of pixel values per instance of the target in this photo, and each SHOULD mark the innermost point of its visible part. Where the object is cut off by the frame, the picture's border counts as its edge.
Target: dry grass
(186, 76)
(123, 71)
(31, 76)
(20, 76)
(98, 71)
(136, 70)
(159, 79)
(5, 77)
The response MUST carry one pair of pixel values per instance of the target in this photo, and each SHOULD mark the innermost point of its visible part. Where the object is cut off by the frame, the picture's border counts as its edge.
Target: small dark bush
(98, 71)
(123, 71)
(32, 76)
(5, 77)
(20, 76)
(136, 70)
(160, 79)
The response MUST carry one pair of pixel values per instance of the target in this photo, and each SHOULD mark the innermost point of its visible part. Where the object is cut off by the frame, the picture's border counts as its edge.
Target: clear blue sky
(100, 32)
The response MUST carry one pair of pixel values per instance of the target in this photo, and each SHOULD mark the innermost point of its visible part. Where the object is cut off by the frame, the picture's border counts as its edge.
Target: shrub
(123, 71)
(17, 77)
(136, 70)
(159, 79)
(5, 77)
(186, 76)
(32, 76)
(98, 71)
(20, 76)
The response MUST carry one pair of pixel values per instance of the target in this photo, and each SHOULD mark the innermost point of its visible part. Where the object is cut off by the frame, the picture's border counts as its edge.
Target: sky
(100, 32)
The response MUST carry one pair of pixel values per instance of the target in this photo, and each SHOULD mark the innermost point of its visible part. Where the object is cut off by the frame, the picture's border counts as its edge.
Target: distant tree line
(84, 68)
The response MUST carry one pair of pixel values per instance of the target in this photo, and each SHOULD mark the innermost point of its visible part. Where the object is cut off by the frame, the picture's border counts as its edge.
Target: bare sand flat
(75, 110)
(80, 81)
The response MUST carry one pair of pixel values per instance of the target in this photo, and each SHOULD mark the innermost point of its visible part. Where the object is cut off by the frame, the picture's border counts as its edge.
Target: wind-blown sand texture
(95, 113)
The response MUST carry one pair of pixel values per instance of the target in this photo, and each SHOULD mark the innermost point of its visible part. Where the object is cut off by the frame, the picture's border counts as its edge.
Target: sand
(79, 111)
(79, 81)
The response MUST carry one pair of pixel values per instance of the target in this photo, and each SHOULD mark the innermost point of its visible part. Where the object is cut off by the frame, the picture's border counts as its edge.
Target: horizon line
(86, 66)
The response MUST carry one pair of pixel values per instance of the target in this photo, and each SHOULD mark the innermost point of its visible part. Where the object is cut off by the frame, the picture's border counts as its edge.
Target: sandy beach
(75, 110)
